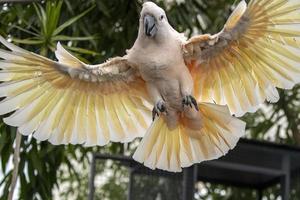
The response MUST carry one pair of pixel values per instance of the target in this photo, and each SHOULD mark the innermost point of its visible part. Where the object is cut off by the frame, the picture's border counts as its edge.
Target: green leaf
(27, 41)
(5, 154)
(3, 139)
(70, 38)
(71, 21)
(42, 16)
(53, 11)
(36, 161)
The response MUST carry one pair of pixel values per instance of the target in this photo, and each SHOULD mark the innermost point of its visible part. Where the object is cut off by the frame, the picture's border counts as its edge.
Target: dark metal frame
(281, 175)
(19, 1)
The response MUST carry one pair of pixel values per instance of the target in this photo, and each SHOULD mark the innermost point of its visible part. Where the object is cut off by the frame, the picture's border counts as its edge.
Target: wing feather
(256, 52)
(71, 102)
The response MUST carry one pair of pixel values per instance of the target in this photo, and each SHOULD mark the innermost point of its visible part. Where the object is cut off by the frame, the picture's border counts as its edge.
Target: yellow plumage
(261, 54)
(181, 147)
(63, 110)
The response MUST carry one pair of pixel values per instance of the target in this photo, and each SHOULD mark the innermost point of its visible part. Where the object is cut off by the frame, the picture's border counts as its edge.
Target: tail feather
(171, 150)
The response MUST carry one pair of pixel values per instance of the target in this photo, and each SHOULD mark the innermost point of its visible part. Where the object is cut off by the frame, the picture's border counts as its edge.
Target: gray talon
(190, 101)
(159, 107)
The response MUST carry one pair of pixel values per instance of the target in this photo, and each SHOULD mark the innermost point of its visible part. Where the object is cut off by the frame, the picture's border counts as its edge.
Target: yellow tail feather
(172, 150)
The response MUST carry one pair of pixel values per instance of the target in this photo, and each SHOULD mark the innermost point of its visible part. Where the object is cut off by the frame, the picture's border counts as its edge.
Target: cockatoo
(195, 85)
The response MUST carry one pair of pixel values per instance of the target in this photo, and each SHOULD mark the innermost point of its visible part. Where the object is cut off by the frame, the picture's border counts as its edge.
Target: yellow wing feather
(257, 51)
(54, 106)
(181, 147)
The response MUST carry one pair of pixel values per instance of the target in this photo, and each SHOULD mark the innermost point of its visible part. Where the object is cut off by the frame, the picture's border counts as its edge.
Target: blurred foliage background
(95, 30)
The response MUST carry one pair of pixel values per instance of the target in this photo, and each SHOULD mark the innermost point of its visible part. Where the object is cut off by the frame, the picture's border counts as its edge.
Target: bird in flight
(181, 95)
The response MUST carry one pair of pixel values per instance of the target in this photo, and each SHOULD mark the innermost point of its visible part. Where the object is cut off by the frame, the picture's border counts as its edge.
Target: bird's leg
(189, 100)
(158, 108)
(160, 105)
(186, 87)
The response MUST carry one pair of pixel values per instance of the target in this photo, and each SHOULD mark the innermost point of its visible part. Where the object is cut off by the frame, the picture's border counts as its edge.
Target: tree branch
(16, 158)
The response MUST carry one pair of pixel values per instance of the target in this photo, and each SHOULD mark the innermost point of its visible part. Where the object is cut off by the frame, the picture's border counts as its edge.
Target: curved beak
(150, 26)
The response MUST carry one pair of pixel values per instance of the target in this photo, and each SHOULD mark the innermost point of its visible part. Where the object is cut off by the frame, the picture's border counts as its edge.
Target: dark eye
(161, 17)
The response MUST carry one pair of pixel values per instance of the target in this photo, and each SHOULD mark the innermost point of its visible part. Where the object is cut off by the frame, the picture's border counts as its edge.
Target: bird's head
(153, 21)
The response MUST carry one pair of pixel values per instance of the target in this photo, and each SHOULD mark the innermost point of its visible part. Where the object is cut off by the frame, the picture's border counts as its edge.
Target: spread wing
(70, 102)
(257, 51)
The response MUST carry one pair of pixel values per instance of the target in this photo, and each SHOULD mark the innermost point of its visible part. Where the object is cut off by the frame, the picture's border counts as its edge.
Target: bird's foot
(159, 108)
(189, 100)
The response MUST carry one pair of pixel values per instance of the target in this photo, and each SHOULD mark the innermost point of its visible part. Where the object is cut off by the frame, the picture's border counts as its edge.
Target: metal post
(286, 178)
(92, 179)
(188, 183)
(130, 184)
(259, 194)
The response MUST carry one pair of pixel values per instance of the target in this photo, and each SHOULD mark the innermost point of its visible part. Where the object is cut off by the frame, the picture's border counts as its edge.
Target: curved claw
(159, 107)
(154, 114)
(190, 101)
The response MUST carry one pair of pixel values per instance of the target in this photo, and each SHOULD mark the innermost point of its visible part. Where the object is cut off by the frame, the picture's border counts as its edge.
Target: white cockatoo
(195, 85)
